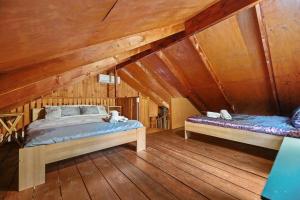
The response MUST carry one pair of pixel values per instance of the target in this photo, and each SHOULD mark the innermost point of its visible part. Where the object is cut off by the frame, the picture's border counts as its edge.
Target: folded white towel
(213, 114)
(114, 118)
(225, 115)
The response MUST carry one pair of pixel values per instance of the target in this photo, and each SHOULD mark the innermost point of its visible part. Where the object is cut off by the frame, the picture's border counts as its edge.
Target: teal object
(284, 180)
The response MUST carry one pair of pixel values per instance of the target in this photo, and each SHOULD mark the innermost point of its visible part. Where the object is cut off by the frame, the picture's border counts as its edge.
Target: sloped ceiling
(246, 62)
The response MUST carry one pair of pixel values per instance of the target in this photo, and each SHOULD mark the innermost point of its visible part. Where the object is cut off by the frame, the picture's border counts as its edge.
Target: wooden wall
(181, 108)
(90, 92)
(91, 88)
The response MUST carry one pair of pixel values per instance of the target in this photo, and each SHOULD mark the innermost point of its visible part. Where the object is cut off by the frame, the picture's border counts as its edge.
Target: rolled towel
(225, 115)
(213, 114)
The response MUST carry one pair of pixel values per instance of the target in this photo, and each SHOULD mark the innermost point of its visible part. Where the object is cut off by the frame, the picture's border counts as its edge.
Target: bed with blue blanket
(264, 131)
(68, 131)
(45, 132)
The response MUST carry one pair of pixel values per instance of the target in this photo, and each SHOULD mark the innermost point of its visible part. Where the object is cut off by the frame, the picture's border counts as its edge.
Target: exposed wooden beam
(147, 67)
(98, 51)
(148, 78)
(189, 93)
(195, 43)
(147, 82)
(154, 47)
(267, 55)
(37, 89)
(40, 71)
(130, 80)
(217, 12)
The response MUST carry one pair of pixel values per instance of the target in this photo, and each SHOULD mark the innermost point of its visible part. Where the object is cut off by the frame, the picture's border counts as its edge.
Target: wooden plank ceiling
(237, 55)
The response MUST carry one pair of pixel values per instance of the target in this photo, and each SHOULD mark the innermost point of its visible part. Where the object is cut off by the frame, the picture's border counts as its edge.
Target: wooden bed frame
(243, 136)
(32, 160)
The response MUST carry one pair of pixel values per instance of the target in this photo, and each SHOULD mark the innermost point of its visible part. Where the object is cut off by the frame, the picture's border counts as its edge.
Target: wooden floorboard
(212, 162)
(150, 188)
(96, 184)
(120, 183)
(186, 157)
(170, 168)
(222, 155)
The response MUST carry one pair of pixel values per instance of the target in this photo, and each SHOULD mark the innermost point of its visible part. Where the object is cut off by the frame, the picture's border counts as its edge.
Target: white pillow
(213, 114)
(225, 115)
(52, 112)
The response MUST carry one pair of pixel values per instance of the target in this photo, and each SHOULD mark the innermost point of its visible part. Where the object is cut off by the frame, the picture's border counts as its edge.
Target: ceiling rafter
(267, 55)
(130, 80)
(154, 80)
(39, 71)
(173, 92)
(218, 12)
(142, 77)
(195, 43)
(37, 89)
(175, 70)
(55, 65)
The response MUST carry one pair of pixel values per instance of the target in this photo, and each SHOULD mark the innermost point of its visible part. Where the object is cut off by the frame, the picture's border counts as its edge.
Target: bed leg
(187, 134)
(141, 139)
(31, 167)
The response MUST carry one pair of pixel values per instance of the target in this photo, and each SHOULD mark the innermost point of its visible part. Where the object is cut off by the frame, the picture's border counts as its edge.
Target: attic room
(160, 99)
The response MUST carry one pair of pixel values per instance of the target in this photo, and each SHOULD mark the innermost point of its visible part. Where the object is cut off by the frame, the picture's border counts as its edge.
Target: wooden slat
(119, 182)
(141, 180)
(171, 168)
(148, 66)
(221, 184)
(200, 186)
(126, 76)
(261, 169)
(185, 156)
(94, 181)
(71, 181)
(183, 80)
(267, 53)
(180, 190)
(194, 41)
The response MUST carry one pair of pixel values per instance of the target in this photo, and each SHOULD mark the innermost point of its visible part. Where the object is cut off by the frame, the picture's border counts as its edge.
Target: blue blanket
(50, 135)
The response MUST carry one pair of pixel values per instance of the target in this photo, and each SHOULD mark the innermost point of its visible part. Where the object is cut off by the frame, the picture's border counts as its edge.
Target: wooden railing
(130, 107)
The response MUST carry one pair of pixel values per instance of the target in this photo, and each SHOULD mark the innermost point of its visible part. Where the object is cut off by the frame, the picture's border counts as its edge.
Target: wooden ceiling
(238, 55)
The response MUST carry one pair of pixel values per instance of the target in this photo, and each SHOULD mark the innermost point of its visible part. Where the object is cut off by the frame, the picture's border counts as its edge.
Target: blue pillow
(296, 118)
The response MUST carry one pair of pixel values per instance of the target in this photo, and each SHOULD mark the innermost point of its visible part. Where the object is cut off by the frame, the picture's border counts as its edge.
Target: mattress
(274, 125)
(44, 132)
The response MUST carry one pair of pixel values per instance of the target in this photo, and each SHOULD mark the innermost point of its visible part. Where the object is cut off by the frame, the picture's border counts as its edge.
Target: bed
(263, 131)
(51, 140)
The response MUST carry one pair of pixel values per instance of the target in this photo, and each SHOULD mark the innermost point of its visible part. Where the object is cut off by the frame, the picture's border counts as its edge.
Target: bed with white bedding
(65, 132)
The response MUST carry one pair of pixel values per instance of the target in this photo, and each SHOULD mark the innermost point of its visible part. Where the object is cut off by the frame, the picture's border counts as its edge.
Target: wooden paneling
(236, 54)
(216, 13)
(181, 108)
(92, 88)
(139, 86)
(281, 18)
(187, 58)
(177, 72)
(144, 77)
(33, 35)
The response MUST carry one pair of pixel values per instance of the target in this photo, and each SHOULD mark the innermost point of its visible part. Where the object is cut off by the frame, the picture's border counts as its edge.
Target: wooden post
(141, 139)
(31, 167)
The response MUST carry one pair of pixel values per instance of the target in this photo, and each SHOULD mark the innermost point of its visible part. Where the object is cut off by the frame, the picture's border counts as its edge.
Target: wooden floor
(171, 168)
